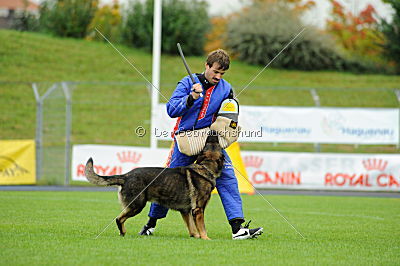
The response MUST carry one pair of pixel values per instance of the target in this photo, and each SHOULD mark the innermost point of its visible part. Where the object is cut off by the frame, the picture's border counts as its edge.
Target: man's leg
(228, 191)
(156, 212)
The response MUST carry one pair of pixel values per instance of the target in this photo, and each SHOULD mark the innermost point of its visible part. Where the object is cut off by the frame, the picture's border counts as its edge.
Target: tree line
(357, 42)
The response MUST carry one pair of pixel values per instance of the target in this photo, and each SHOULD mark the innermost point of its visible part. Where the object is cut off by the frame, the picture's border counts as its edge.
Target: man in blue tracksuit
(195, 112)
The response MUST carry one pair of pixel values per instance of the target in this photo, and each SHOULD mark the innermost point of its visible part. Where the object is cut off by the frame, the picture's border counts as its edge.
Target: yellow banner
(17, 162)
(240, 170)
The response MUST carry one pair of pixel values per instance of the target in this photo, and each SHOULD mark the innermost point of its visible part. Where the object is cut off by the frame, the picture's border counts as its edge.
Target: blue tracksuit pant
(226, 184)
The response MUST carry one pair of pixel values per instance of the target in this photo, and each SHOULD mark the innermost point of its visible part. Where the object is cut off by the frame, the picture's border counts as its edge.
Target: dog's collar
(208, 169)
(195, 169)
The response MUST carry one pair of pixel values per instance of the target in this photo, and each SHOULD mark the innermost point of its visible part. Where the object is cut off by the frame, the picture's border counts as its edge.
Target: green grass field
(49, 228)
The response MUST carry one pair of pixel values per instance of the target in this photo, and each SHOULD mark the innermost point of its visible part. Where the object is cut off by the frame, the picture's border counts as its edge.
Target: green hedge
(182, 21)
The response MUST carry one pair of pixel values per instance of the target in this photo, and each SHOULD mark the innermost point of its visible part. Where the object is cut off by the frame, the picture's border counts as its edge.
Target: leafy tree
(298, 6)
(108, 21)
(391, 30)
(216, 37)
(356, 33)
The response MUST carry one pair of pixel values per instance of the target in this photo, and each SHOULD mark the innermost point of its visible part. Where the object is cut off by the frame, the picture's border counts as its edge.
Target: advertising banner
(306, 125)
(276, 170)
(320, 125)
(114, 160)
(17, 162)
(369, 172)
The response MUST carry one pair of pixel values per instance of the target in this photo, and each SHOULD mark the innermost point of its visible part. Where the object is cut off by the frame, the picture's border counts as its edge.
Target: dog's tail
(102, 180)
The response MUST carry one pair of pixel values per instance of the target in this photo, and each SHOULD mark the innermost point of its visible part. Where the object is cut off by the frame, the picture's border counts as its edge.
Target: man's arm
(182, 98)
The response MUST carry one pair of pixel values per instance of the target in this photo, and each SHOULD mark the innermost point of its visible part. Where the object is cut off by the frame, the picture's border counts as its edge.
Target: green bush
(259, 33)
(182, 21)
(67, 18)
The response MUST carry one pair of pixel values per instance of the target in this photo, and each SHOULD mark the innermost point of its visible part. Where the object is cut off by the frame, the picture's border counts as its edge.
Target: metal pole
(317, 103)
(68, 122)
(156, 69)
(39, 130)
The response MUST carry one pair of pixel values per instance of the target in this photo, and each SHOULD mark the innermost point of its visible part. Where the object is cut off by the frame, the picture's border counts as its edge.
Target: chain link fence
(70, 113)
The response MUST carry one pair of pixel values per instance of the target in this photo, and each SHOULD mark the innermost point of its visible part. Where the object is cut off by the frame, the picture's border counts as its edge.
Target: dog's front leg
(198, 215)
(188, 218)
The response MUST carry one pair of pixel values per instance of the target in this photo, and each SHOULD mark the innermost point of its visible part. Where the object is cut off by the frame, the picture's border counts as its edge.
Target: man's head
(216, 65)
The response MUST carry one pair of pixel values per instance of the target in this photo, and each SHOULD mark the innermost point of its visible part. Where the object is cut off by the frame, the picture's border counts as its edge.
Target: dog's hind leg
(188, 218)
(129, 212)
(198, 215)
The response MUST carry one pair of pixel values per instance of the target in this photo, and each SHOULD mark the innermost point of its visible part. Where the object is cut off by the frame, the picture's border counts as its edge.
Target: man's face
(213, 74)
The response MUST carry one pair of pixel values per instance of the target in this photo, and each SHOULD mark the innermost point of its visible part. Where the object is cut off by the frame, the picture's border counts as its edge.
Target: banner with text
(374, 172)
(114, 160)
(306, 125)
(17, 162)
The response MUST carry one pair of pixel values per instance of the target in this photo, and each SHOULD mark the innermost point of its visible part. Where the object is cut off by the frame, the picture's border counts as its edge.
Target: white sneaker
(147, 231)
(246, 233)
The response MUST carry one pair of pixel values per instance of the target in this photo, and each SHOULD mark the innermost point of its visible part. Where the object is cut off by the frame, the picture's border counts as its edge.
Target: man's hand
(196, 90)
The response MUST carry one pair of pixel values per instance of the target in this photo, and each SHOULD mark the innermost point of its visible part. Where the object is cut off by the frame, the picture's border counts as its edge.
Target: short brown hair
(218, 56)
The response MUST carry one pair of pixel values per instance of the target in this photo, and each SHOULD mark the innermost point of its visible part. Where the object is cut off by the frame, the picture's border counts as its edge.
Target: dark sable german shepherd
(185, 189)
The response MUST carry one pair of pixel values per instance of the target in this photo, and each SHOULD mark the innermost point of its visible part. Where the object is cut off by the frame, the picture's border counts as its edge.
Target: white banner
(373, 172)
(114, 160)
(320, 125)
(306, 125)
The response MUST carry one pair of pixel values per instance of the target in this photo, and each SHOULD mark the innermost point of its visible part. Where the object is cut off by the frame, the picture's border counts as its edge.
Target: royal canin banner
(277, 170)
(284, 170)
(306, 125)
(114, 160)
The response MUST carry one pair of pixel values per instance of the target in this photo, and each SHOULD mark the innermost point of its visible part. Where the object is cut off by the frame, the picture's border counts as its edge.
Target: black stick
(186, 65)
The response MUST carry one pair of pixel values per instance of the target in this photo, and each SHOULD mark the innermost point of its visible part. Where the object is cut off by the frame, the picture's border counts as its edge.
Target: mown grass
(43, 228)
(106, 113)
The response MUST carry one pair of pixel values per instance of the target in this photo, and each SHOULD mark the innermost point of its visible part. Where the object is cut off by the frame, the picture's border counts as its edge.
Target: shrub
(67, 18)
(258, 34)
(182, 21)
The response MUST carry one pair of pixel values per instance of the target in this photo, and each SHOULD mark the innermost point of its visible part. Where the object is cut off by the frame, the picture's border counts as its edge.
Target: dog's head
(212, 152)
